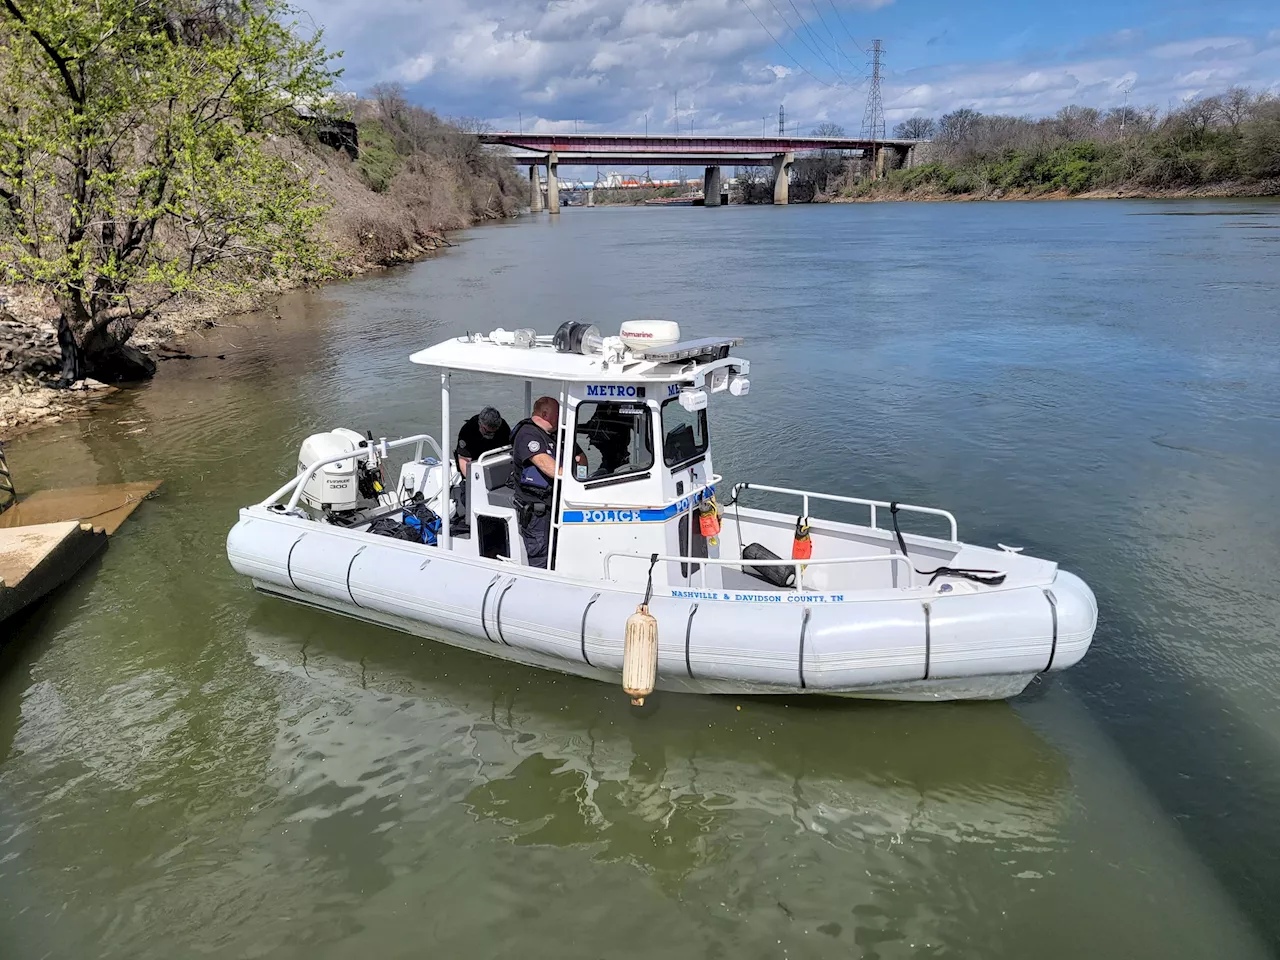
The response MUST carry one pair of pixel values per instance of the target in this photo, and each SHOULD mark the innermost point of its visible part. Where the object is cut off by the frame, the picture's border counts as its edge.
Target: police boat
(657, 574)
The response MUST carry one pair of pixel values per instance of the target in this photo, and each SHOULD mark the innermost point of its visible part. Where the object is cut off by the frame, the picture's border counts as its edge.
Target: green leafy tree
(139, 158)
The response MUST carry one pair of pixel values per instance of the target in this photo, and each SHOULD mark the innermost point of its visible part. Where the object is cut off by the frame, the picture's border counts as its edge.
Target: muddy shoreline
(1230, 190)
(30, 358)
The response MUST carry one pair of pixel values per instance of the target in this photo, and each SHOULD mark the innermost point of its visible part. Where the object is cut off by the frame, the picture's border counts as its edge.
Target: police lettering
(610, 516)
(609, 390)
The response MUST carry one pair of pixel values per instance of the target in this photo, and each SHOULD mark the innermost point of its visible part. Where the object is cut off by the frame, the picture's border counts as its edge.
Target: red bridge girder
(693, 146)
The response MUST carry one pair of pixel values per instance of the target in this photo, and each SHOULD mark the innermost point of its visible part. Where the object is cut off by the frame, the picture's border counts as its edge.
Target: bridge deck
(596, 144)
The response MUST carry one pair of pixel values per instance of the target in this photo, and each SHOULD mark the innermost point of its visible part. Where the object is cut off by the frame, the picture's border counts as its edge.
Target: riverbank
(417, 179)
(888, 191)
(30, 356)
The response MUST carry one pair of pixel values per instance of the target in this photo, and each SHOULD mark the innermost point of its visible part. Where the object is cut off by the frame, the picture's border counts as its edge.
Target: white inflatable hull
(901, 644)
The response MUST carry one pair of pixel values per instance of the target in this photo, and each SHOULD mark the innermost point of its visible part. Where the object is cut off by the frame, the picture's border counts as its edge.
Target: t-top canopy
(673, 364)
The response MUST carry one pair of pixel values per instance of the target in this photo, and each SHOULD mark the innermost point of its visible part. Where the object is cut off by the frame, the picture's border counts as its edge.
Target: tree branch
(61, 62)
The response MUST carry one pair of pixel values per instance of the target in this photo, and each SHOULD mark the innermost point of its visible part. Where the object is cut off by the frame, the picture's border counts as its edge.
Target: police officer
(533, 448)
(484, 432)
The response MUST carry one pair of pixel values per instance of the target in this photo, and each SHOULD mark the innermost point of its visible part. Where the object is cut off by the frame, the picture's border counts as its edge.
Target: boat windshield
(684, 434)
(615, 438)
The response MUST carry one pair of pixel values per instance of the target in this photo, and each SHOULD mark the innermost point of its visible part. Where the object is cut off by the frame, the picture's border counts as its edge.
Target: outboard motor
(345, 485)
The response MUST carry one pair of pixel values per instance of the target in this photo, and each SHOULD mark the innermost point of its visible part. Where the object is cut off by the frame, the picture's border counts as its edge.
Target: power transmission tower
(782, 120)
(873, 116)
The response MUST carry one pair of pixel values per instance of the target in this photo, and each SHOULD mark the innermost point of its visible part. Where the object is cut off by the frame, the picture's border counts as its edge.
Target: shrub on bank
(1228, 139)
(417, 176)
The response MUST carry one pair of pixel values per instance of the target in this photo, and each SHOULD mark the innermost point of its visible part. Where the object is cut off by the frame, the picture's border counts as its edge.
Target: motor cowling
(336, 487)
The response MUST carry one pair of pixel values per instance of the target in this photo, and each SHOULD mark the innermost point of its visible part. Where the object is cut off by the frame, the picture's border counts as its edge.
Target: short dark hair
(490, 418)
(548, 408)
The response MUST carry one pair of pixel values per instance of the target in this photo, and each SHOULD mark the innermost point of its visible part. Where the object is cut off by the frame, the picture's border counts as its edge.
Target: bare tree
(752, 185)
(1235, 106)
(828, 129)
(1197, 116)
(1074, 122)
(958, 126)
(1127, 121)
(916, 128)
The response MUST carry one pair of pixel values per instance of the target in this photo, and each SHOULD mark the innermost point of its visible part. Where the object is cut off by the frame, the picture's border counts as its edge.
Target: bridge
(629, 149)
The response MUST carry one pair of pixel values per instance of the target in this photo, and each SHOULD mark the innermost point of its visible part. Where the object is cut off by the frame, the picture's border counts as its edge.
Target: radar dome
(643, 335)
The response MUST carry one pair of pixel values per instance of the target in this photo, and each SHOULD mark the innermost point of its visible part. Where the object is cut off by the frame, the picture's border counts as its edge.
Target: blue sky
(603, 65)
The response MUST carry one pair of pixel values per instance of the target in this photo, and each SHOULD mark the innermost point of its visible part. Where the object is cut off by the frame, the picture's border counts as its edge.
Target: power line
(873, 116)
(845, 28)
(813, 36)
(816, 52)
(789, 54)
(834, 44)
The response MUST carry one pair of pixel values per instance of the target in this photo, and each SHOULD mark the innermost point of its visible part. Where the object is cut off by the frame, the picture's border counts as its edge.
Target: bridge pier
(535, 190)
(711, 187)
(782, 176)
(591, 196)
(553, 189)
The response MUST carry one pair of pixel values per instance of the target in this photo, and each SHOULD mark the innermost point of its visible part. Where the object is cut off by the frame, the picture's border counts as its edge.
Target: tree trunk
(109, 358)
(103, 354)
(72, 362)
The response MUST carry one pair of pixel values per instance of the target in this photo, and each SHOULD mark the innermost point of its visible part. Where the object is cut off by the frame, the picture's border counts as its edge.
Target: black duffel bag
(778, 576)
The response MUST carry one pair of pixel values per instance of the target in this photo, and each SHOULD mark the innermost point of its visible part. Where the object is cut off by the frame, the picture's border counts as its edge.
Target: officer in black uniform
(533, 447)
(484, 432)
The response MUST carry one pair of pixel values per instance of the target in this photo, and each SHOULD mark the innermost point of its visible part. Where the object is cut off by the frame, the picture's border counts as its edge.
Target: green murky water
(187, 768)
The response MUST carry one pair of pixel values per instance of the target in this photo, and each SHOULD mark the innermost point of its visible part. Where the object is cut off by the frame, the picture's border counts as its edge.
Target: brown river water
(188, 768)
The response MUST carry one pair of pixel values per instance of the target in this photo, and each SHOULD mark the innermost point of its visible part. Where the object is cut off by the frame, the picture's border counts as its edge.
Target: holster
(527, 511)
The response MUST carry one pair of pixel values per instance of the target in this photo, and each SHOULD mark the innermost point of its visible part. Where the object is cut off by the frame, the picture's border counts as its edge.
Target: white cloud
(1038, 82)
(609, 62)
(417, 69)
(1205, 48)
(1205, 78)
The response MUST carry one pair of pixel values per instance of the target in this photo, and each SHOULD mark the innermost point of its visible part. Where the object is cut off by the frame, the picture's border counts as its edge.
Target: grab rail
(891, 558)
(382, 448)
(873, 504)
